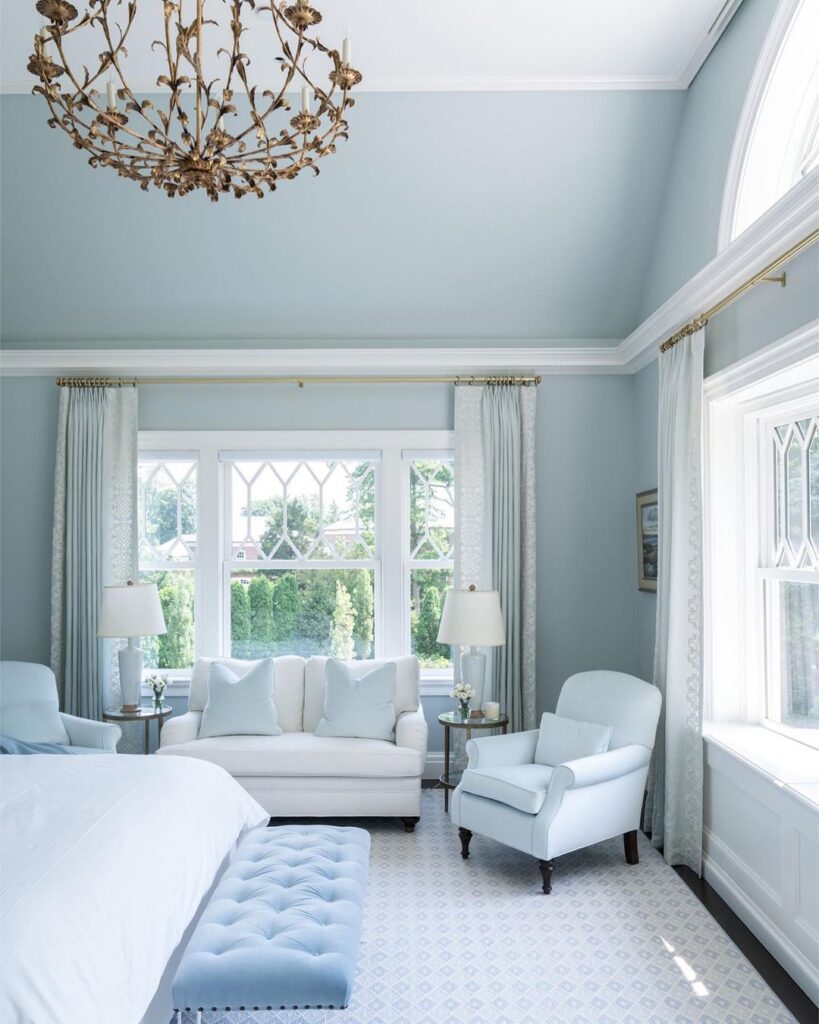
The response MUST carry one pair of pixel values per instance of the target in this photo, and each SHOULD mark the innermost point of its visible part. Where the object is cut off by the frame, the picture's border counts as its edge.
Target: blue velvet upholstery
(282, 927)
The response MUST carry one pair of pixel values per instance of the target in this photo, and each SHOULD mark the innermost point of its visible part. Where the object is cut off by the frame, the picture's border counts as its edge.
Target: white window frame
(174, 453)
(391, 598)
(774, 384)
(443, 677)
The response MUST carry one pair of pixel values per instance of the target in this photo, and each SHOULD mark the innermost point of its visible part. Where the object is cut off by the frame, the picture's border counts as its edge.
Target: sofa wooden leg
(546, 869)
(464, 835)
(630, 846)
(410, 823)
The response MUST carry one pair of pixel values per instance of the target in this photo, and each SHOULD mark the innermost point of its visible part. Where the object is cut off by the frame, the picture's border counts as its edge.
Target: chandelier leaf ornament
(222, 134)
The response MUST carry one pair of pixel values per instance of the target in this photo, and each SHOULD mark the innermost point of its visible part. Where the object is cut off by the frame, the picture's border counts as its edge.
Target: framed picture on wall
(647, 540)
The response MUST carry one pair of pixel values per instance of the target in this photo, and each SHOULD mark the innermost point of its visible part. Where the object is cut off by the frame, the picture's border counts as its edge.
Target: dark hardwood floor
(774, 975)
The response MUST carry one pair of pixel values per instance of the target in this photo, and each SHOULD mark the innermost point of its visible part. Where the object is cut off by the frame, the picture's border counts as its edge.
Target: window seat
(791, 765)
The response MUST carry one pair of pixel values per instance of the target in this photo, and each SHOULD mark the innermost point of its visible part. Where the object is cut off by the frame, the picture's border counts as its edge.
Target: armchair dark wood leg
(465, 835)
(630, 846)
(410, 823)
(546, 869)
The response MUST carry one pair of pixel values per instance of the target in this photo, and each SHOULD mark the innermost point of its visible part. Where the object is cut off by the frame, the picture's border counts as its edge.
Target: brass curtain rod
(700, 321)
(525, 380)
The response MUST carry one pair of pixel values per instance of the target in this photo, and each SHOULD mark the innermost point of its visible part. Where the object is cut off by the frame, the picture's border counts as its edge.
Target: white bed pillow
(240, 706)
(566, 739)
(358, 707)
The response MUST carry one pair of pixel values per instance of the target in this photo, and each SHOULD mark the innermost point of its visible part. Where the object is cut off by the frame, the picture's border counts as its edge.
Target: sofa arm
(82, 732)
(503, 751)
(589, 771)
(180, 730)
(411, 731)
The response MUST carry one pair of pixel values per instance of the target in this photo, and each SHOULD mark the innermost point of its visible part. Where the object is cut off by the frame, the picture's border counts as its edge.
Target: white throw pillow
(240, 706)
(566, 739)
(363, 708)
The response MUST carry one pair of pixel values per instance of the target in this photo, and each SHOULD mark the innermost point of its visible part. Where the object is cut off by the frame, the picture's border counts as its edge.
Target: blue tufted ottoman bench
(281, 929)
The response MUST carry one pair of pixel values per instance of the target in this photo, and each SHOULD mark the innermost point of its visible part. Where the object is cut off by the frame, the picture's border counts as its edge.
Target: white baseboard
(434, 766)
(803, 972)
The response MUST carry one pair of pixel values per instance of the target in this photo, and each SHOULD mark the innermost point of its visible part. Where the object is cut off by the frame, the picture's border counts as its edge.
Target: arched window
(777, 141)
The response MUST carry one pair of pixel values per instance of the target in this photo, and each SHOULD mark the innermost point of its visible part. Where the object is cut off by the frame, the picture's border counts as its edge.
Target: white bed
(104, 862)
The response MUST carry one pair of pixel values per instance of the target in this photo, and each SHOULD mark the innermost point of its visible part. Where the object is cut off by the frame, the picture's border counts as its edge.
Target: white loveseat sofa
(299, 774)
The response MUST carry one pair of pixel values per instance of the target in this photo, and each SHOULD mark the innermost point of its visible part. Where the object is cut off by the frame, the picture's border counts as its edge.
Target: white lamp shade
(131, 610)
(472, 617)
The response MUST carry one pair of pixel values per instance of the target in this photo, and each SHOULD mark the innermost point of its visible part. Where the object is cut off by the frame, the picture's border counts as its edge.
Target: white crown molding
(787, 222)
(234, 360)
(705, 43)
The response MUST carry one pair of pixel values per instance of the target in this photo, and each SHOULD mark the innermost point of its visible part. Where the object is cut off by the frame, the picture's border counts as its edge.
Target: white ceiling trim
(315, 362)
(787, 222)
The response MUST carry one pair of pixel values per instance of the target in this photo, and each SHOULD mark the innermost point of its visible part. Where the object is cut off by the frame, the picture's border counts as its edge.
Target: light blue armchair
(548, 809)
(30, 712)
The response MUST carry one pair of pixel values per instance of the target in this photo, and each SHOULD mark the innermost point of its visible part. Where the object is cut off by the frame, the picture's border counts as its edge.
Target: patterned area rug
(448, 941)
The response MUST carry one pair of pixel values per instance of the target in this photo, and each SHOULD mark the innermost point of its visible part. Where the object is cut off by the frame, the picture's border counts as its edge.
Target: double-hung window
(298, 542)
(789, 566)
(762, 541)
(168, 551)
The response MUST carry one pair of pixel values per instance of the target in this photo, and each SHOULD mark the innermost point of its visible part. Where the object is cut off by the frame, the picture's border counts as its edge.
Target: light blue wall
(28, 433)
(765, 315)
(645, 403)
(688, 226)
(446, 215)
(584, 491)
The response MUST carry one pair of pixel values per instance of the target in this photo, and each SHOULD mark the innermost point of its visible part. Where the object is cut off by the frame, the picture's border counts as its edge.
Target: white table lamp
(131, 611)
(471, 618)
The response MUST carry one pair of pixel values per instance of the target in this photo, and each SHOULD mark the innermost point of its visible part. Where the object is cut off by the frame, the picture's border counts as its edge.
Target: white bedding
(103, 862)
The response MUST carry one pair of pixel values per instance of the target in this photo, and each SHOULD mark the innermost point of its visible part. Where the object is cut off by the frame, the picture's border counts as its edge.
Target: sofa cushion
(523, 786)
(288, 689)
(406, 685)
(358, 706)
(566, 739)
(240, 705)
(304, 754)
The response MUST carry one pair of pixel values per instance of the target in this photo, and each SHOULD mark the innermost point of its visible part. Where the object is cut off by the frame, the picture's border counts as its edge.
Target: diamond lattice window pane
(795, 491)
(308, 510)
(167, 510)
(432, 508)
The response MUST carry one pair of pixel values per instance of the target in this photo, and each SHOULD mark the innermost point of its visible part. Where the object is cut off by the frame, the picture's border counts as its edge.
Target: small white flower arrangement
(157, 685)
(462, 693)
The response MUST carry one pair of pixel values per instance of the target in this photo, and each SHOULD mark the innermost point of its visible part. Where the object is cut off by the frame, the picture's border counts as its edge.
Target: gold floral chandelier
(198, 138)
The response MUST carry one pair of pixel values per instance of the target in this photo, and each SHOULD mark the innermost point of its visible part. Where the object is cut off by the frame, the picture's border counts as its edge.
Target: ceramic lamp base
(473, 673)
(130, 676)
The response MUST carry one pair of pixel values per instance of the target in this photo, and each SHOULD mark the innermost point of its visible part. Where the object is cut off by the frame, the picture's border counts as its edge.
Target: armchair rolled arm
(497, 751)
(589, 771)
(180, 730)
(411, 731)
(82, 732)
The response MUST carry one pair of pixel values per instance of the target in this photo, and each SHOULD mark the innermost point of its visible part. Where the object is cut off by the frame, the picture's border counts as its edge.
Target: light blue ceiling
(456, 216)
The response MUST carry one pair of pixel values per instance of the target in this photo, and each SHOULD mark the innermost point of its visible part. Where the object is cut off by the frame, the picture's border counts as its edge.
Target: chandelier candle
(235, 137)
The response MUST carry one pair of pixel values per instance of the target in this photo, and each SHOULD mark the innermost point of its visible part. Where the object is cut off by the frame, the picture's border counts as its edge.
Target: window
(429, 563)
(304, 530)
(762, 541)
(777, 142)
(298, 543)
(790, 570)
(168, 552)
